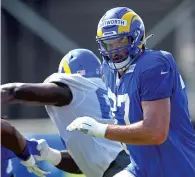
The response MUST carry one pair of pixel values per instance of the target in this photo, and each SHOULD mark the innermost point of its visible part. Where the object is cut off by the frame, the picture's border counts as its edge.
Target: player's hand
(88, 126)
(43, 149)
(33, 168)
(47, 153)
(6, 92)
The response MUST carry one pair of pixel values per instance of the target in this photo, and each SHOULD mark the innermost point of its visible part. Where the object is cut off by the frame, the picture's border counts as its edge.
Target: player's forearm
(36, 94)
(13, 140)
(138, 134)
(24, 93)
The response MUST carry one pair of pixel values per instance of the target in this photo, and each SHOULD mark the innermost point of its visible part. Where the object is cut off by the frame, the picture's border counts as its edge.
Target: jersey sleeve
(157, 82)
(56, 77)
(78, 85)
(68, 80)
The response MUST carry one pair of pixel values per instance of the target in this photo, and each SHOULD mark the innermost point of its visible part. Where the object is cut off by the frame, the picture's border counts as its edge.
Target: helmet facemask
(121, 50)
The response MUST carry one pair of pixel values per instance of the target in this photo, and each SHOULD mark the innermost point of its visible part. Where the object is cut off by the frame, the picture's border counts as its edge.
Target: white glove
(48, 154)
(88, 126)
(33, 168)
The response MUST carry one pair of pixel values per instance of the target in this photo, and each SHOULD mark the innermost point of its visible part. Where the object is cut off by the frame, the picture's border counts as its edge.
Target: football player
(148, 98)
(68, 96)
(13, 144)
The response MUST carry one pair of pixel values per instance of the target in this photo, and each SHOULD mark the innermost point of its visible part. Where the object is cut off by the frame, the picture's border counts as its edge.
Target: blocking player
(148, 98)
(68, 96)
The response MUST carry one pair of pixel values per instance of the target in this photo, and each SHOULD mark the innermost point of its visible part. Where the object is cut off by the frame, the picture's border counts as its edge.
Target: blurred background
(36, 34)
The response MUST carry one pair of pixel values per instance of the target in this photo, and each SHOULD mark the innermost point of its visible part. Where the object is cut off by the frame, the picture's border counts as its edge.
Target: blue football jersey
(154, 76)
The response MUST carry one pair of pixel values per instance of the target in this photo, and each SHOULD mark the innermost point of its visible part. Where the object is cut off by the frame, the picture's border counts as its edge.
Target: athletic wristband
(101, 131)
(29, 162)
(25, 154)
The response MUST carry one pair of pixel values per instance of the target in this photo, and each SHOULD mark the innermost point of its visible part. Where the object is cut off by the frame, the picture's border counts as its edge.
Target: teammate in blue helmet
(76, 90)
(81, 61)
(148, 98)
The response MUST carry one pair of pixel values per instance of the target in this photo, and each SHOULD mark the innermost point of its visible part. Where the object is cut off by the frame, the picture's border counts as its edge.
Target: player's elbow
(159, 136)
(160, 139)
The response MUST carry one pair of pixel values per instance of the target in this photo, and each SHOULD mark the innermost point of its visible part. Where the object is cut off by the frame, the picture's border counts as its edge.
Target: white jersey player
(76, 90)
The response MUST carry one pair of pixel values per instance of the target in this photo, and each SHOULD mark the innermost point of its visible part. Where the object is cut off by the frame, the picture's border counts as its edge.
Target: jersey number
(117, 102)
(104, 103)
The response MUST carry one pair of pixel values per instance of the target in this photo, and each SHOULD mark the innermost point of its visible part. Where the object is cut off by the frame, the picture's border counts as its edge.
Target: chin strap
(144, 42)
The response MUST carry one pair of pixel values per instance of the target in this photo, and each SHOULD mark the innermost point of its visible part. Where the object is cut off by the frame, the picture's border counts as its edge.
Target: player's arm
(13, 140)
(152, 130)
(55, 93)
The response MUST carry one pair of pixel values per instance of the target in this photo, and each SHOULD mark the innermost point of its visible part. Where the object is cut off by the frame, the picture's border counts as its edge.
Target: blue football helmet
(120, 36)
(81, 61)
